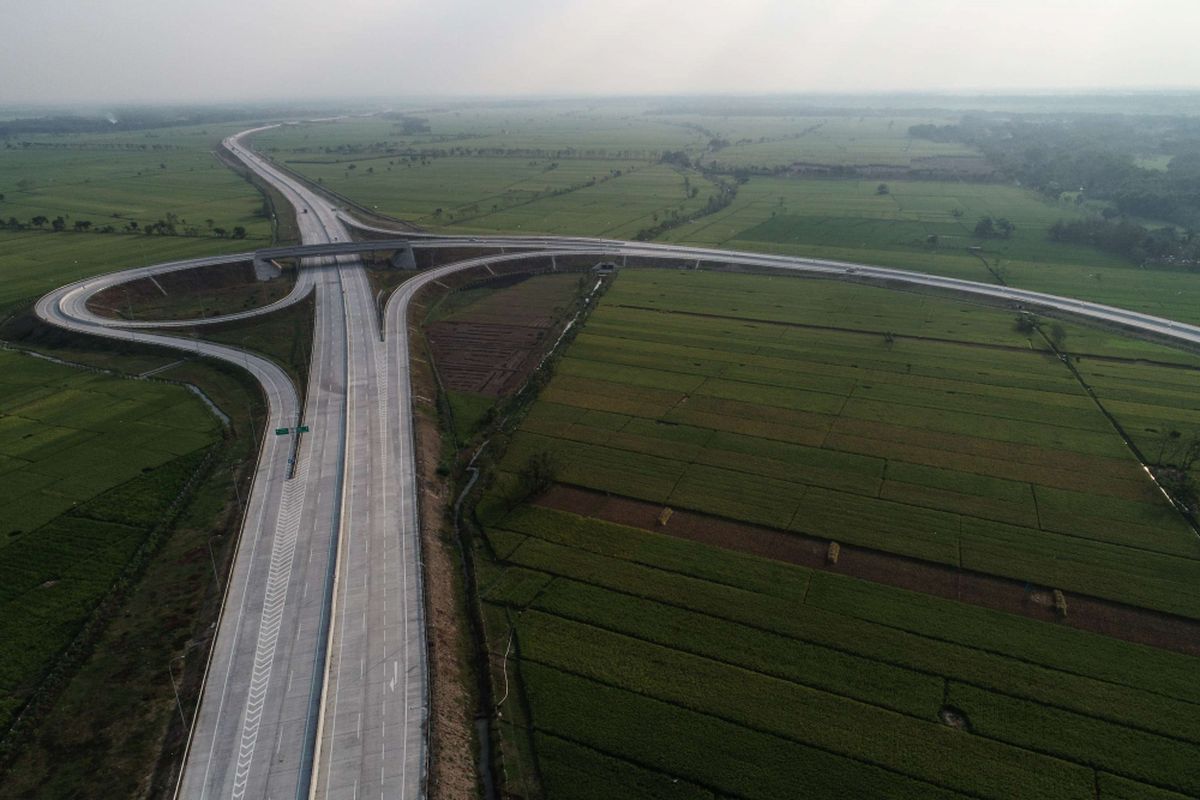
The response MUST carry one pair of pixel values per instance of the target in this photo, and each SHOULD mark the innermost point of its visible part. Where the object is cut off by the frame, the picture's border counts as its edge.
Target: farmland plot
(912, 427)
(90, 464)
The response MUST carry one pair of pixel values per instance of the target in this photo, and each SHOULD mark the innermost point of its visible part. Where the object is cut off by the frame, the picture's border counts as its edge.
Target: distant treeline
(408, 125)
(1094, 155)
(140, 119)
(381, 150)
(1136, 242)
(171, 226)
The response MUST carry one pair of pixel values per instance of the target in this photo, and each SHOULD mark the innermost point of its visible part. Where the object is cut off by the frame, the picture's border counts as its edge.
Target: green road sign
(302, 429)
(282, 431)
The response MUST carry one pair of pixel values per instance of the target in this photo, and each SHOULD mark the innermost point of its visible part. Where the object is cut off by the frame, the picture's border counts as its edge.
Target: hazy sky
(135, 50)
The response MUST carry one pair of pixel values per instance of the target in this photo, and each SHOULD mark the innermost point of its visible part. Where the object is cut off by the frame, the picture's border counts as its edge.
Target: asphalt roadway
(316, 684)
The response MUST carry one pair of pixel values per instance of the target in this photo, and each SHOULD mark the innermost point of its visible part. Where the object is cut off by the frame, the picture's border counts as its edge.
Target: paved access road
(316, 683)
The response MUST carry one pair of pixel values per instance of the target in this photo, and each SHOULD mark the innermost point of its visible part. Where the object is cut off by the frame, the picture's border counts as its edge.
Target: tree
(239, 232)
(1026, 323)
(1173, 470)
(985, 228)
(537, 475)
(1057, 334)
(1169, 437)
(882, 189)
(677, 157)
(220, 232)
(1004, 228)
(58, 223)
(38, 221)
(82, 224)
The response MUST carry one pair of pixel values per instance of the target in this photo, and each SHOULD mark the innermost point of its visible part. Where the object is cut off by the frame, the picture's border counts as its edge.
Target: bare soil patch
(491, 346)
(485, 359)
(954, 718)
(1130, 623)
(192, 293)
(453, 773)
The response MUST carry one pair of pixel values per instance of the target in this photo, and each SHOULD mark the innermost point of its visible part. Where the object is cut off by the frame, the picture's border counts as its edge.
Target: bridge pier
(404, 259)
(265, 269)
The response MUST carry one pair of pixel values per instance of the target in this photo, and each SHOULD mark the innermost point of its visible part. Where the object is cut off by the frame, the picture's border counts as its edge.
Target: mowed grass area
(89, 464)
(658, 667)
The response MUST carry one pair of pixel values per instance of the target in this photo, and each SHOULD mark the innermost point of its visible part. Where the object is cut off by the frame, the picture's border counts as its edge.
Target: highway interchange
(316, 684)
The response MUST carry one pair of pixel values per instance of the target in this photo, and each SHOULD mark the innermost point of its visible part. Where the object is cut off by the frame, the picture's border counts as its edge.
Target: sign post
(286, 431)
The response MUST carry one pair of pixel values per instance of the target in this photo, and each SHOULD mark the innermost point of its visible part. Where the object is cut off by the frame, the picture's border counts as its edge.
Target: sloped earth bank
(193, 293)
(1117, 620)
(452, 768)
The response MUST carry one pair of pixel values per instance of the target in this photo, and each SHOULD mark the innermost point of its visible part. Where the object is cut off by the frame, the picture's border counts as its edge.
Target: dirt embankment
(192, 293)
(453, 773)
(1117, 620)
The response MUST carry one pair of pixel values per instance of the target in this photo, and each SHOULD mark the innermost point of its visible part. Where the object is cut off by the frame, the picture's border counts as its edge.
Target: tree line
(144, 118)
(1092, 155)
(1138, 243)
(172, 225)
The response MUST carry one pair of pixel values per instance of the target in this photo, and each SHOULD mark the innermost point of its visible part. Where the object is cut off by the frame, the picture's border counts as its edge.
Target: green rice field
(111, 179)
(90, 464)
(930, 428)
